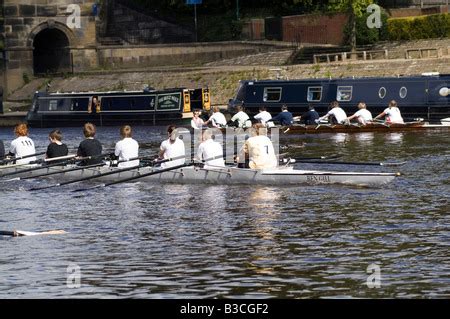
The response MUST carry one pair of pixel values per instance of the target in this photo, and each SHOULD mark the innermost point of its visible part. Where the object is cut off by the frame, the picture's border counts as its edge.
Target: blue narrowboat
(426, 96)
(148, 107)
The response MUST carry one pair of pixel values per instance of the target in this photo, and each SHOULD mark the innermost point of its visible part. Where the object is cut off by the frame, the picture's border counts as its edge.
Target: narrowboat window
(403, 92)
(344, 93)
(74, 104)
(53, 105)
(314, 94)
(272, 94)
(382, 92)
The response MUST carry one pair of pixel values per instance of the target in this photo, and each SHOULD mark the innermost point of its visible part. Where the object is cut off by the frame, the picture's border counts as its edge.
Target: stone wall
(186, 54)
(25, 19)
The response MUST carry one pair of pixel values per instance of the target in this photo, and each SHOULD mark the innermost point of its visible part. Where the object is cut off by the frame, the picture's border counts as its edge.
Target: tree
(354, 9)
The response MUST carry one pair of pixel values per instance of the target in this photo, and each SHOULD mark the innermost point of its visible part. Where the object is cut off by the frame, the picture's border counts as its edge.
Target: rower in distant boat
(197, 122)
(309, 118)
(172, 147)
(260, 150)
(217, 119)
(241, 119)
(363, 115)
(90, 146)
(210, 149)
(263, 116)
(336, 113)
(56, 148)
(22, 145)
(127, 148)
(392, 113)
(285, 118)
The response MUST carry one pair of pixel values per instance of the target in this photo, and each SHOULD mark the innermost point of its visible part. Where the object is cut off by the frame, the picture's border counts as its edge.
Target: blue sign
(193, 1)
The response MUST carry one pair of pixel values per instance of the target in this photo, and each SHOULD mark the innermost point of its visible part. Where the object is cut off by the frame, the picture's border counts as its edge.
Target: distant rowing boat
(354, 128)
(227, 175)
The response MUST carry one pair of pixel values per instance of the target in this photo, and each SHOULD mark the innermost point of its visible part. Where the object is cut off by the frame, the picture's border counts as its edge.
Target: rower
(22, 145)
(127, 148)
(285, 117)
(263, 116)
(172, 147)
(90, 146)
(392, 113)
(197, 122)
(260, 149)
(363, 115)
(56, 148)
(217, 119)
(337, 114)
(310, 117)
(209, 149)
(241, 119)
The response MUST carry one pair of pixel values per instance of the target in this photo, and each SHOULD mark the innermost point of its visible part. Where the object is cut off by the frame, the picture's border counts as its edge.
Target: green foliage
(354, 7)
(424, 27)
(365, 35)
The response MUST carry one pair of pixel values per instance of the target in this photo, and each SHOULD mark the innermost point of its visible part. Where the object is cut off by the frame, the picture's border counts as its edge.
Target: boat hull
(221, 176)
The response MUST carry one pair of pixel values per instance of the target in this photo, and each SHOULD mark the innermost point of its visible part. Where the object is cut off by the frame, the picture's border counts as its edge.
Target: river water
(196, 241)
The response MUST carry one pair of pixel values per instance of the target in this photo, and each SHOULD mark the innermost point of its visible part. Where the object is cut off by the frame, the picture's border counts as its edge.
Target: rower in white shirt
(363, 115)
(210, 149)
(337, 114)
(241, 118)
(260, 150)
(22, 145)
(392, 113)
(127, 148)
(263, 116)
(172, 147)
(217, 119)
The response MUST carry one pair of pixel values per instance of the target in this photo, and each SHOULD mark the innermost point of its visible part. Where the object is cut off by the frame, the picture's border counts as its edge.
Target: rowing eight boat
(227, 175)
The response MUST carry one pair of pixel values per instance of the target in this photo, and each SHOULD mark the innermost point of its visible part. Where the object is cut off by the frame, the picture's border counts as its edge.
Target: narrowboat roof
(41, 93)
(416, 77)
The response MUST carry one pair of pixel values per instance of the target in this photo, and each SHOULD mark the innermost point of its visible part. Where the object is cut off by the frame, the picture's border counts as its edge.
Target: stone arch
(51, 42)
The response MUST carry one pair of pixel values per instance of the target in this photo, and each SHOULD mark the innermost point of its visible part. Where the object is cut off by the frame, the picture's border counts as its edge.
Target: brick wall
(321, 29)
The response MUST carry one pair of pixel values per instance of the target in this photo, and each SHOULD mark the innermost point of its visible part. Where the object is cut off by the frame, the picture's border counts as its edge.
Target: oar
(159, 171)
(311, 158)
(8, 160)
(116, 171)
(72, 169)
(49, 160)
(354, 163)
(55, 172)
(20, 233)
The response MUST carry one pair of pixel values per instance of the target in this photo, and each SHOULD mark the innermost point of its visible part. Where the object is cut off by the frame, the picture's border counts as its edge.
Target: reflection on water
(394, 138)
(213, 241)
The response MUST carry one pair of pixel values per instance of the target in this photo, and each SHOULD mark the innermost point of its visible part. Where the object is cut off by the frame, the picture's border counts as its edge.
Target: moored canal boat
(147, 107)
(426, 96)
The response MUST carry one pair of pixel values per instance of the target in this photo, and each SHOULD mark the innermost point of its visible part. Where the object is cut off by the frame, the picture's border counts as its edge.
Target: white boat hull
(228, 175)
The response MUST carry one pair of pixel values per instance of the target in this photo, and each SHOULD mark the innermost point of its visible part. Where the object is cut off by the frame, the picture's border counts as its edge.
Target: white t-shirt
(393, 115)
(210, 149)
(218, 119)
(23, 146)
(197, 123)
(365, 115)
(261, 152)
(172, 150)
(126, 149)
(339, 114)
(263, 116)
(243, 119)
